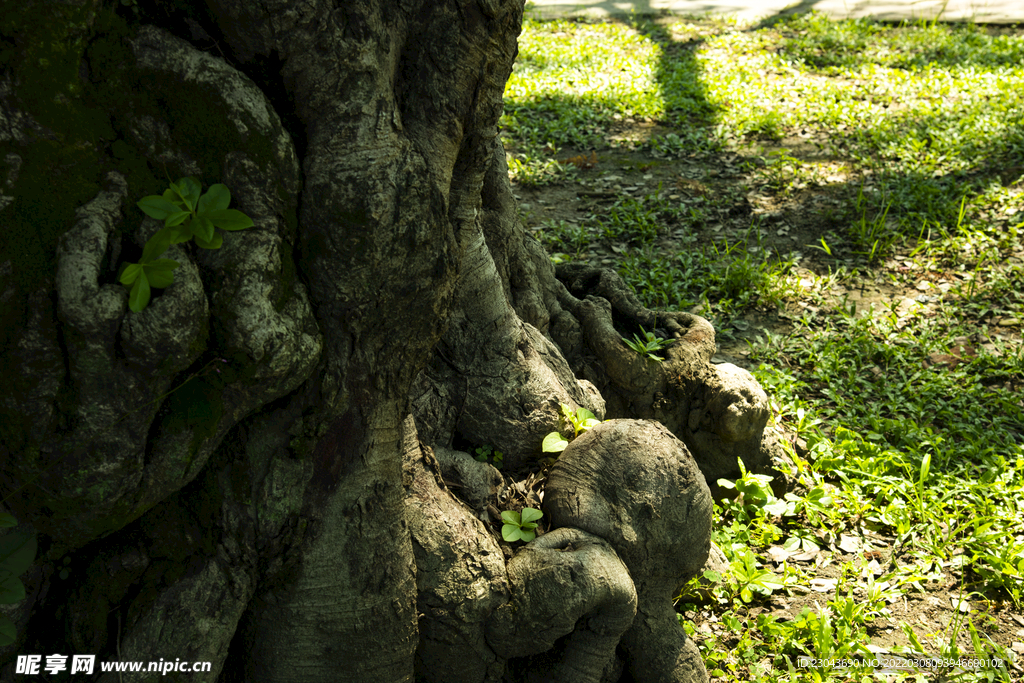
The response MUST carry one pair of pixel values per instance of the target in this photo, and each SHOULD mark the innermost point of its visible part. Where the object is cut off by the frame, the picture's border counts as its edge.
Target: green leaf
(817, 497)
(188, 189)
(926, 466)
(768, 581)
(511, 533)
(215, 243)
(17, 552)
(229, 219)
(177, 218)
(203, 229)
(131, 273)
(178, 190)
(510, 517)
(173, 198)
(139, 297)
(527, 536)
(527, 526)
(582, 415)
(531, 514)
(216, 198)
(181, 233)
(8, 632)
(157, 207)
(554, 443)
(11, 589)
(7, 520)
(975, 640)
(156, 245)
(161, 272)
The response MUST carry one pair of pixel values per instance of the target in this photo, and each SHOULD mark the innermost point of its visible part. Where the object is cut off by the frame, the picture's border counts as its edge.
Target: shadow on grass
(921, 164)
(551, 117)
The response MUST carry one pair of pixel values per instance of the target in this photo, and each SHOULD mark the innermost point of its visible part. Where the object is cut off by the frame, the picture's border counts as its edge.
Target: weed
(488, 454)
(647, 346)
(579, 420)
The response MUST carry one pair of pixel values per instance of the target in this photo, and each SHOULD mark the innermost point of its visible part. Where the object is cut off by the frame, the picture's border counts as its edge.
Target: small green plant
(485, 453)
(186, 215)
(754, 491)
(17, 552)
(780, 170)
(520, 526)
(648, 345)
(580, 419)
(747, 578)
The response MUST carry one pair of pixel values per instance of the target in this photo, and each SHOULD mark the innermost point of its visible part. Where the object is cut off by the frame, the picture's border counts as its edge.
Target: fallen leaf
(824, 585)
(850, 544)
(942, 359)
(804, 556)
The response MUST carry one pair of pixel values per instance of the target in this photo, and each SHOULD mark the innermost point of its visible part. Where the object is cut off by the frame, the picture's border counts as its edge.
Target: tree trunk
(264, 469)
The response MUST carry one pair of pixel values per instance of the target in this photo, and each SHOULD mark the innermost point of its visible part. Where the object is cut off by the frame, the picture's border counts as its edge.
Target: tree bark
(244, 473)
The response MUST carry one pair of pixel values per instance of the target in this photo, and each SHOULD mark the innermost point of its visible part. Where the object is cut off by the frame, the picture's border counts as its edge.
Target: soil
(738, 187)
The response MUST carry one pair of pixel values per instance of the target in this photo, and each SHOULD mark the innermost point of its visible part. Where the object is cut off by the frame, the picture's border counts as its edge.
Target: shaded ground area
(732, 192)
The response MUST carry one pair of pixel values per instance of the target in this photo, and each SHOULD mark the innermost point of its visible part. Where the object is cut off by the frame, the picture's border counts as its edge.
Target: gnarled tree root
(719, 411)
(565, 583)
(634, 484)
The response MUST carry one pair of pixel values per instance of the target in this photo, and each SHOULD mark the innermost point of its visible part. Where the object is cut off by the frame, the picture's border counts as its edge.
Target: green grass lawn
(763, 175)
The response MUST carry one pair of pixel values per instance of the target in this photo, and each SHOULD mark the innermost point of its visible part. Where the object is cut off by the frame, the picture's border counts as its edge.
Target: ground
(789, 226)
(812, 246)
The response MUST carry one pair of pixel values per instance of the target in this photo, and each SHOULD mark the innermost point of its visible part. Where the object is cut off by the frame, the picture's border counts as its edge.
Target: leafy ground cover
(844, 201)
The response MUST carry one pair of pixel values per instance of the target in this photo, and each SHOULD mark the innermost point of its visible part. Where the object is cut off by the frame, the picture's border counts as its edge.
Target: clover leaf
(520, 526)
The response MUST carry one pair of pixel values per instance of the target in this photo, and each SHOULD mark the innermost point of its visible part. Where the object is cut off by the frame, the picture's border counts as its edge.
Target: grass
(895, 155)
